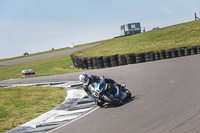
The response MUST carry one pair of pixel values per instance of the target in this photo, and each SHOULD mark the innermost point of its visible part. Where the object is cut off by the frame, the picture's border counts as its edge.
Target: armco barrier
(125, 59)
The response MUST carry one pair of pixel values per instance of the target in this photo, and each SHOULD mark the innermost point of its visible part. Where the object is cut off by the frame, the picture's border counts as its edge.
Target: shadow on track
(107, 105)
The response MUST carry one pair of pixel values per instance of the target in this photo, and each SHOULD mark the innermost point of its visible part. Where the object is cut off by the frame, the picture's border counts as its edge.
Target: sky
(38, 25)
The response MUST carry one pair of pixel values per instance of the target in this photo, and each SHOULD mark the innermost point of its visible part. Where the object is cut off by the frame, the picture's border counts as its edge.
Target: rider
(86, 80)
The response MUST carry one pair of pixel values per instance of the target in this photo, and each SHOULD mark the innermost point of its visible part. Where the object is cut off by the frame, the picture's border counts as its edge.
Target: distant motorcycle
(108, 93)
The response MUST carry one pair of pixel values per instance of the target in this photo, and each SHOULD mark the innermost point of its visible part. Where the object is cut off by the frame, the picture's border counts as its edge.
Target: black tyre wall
(94, 61)
(114, 60)
(130, 58)
(90, 64)
(149, 56)
(162, 54)
(187, 51)
(174, 53)
(106, 61)
(198, 49)
(100, 62)
(122, 60)
(168, 54)
(139, 57)
(157, 56)
(193, 50)
(181, 51)
(85, 62)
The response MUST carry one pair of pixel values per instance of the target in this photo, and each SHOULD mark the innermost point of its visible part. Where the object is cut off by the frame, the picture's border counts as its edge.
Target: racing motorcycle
(108, 93)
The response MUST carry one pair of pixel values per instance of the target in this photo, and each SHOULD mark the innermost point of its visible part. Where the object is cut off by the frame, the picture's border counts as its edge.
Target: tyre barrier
(157, 56)
(162, 54)
(193, 50)
(90, 64)
(149, 56)
(174, 53)
(168, 54)
(114, 60)
(122, 60)
(139, 58)
(187, 51)
(106, 61)
(132, 58)
(198, 49)
(181, 51)
(94, 61)
(100, 63)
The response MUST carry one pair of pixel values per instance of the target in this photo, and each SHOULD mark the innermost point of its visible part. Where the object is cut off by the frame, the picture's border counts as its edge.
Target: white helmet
(84, 78)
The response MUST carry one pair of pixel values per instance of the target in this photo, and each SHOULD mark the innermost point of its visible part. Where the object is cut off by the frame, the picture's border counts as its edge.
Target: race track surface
(166, 98)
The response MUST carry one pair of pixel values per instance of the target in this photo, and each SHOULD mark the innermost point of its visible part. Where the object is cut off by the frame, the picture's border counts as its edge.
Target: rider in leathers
(86, 80)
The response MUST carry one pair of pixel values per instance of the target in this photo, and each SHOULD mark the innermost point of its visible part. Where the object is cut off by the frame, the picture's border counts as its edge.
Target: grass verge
(186, 34)
(47, 52)
(21, 104)
(44, 67)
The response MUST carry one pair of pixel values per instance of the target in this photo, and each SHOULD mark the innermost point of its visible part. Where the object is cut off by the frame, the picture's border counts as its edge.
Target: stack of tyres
(147, 57)
(79, 62)
(157, 56)
(100, 62)
(114, 60)
(85, 62)
(94, 61)
(193, 50)
(168, 54)
(187, 51)
(174, 53)
(162, 54)
(152, 56)
(181, 51)
(139, 57)
(122, 60)
(130, 58)
(90, 64)
(106, 61)
(198, 49)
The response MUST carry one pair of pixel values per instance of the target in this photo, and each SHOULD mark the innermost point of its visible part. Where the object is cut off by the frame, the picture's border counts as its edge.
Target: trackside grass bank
(21, 104)
(49, 66)
(186, 34)
(47, 52)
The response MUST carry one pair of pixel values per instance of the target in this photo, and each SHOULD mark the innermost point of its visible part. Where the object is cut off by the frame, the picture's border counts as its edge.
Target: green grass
(46, 52)
(186, 34)
(21, 104)
(49, 66)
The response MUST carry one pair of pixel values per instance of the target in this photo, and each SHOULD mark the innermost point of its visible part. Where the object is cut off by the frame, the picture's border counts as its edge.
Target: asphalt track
(166, 98)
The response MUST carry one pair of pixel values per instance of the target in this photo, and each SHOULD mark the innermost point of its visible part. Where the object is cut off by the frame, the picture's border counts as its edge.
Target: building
(130, 29)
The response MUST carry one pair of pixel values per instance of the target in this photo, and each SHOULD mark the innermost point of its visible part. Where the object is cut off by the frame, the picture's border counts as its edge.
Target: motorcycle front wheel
(127, 92)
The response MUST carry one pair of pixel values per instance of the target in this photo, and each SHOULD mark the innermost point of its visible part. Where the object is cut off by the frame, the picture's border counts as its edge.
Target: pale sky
(38, 25)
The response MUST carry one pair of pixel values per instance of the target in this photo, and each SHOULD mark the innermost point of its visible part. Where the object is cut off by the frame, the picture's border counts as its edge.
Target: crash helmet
(84, 78)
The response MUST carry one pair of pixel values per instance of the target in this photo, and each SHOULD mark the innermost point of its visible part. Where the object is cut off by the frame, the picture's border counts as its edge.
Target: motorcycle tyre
(127, 92)
(112, 101)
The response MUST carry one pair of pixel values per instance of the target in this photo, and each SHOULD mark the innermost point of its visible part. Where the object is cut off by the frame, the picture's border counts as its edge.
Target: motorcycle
(108, 93)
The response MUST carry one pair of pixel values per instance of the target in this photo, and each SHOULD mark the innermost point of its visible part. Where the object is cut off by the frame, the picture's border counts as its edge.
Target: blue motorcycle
(108, 93)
